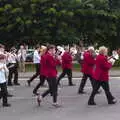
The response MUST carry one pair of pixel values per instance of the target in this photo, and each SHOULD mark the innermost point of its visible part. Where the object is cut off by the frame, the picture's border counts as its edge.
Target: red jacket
(67, 61)
(43, 66)
(88, 63)
(51, 64)
(102, 68)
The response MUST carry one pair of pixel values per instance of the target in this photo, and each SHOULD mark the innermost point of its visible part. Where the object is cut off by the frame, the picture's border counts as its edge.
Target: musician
(101, 77)
(87, 68)
(36, 61)
(13, 67)
(52, 62)
(43, 69)
(66, 67)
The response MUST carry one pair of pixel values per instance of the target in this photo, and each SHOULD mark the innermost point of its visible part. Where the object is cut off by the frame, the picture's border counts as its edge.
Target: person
(101, 77)
(43, 69)
(66, 66)
(22, 58)
(87, 68)
(13, 67)
(3, 86)
(52, 62)
(36, 61)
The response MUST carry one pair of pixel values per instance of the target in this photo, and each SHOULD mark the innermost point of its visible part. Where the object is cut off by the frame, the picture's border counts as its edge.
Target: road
(73, 106)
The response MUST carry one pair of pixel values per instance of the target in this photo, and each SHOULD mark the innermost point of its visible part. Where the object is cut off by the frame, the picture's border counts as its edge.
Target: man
(66, 66)
(36, 61)
(87, 68)
(13, 67)
(51, 63)
(22, 58)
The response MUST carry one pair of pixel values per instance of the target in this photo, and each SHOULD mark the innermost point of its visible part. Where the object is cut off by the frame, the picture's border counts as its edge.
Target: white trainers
(39, 99)
(56, 105)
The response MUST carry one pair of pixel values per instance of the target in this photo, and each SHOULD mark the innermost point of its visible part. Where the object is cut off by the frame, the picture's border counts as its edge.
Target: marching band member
(101, 77)
(13, 67)
(36, 61)
(87, 68)
(3, 86)
(51, 63)
(66, 66)
(43, 69)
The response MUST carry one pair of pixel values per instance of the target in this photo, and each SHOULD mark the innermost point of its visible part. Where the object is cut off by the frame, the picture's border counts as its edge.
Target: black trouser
(105, 86)
(13, 70)
(52, 82)
(42, 80)
(83, 82)
(3, 92)
(69, 74)
(37, 73)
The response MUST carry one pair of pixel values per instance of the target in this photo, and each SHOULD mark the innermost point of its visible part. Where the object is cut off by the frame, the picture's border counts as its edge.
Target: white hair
(91, 48)
(103, 50)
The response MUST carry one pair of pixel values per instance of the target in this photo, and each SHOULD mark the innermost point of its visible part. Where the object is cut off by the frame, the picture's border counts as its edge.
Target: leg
(96, 87)
(10, 76)
(82, 84)
(4, 94)
(42, 79)
(61, 76)
(35, 75)
(110, 98)
(16, 76)
(69, 74)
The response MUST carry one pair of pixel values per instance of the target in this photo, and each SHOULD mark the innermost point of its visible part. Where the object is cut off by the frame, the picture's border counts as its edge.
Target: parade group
(95, 66)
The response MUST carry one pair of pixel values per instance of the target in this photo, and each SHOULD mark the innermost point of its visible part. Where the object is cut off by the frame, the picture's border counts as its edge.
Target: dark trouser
(37, 73)
(42, 80)
(83, 82)
(69, 74)
(3, 92)
(13, 70)
(52, 82)
(105, 86)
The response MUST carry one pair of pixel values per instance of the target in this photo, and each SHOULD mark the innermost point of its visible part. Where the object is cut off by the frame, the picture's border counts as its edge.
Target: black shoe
(81, 92)
(6, 105)
(35, 93)
(71, 84)
(28, 82)
(91, 103)
(18, 84)
(9, 95)
(10, 84)
(112, 102)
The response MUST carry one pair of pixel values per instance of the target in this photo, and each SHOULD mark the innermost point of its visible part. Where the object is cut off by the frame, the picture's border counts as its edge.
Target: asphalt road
(73, 106)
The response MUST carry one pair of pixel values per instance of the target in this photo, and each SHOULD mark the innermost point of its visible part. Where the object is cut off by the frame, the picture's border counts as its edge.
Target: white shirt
(3, 71)
(36, 57)
(12, 58)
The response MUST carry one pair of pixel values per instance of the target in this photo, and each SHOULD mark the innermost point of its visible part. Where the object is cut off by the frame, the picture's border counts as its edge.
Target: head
(103, 50)
(43, 49)
(13, 50)
(91, 49)
(37, 47)
(21, 47)
(67, 49)
(51, 49)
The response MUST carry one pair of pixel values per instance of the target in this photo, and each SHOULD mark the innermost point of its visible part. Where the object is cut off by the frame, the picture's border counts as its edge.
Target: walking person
(13, 67)
(43, 70)
(36, 61)
(52, 62)
(87, 68)
(3, 86)
(101, 76)
(66, 66)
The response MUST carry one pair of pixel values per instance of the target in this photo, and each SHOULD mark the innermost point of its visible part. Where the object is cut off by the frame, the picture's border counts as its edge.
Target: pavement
(73, 106)
(76, 74)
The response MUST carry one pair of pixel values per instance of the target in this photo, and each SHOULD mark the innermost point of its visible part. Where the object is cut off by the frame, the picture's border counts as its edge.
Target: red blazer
(88, 63)
(43, 66)
(51, 64)
(102, 68)
(67, 61)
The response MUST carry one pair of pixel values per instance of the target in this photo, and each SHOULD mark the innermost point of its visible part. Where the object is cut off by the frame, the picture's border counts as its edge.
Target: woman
(101, 77)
